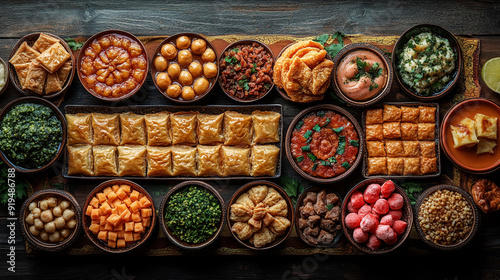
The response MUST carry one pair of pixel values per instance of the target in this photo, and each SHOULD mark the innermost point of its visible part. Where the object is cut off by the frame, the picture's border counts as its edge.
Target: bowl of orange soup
(362, 74)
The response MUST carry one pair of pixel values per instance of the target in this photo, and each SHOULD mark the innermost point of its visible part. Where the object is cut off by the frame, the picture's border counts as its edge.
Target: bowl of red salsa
(324, 143)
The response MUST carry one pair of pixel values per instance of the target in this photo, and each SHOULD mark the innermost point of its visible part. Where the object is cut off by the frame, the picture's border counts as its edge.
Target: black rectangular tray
(438, 153)
(148, 109)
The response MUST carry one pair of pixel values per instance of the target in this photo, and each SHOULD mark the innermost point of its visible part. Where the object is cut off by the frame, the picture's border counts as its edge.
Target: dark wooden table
(480, 20)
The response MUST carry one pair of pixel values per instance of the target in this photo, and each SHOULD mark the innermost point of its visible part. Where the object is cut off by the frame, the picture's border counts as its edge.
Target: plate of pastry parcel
(173, 142)
(402, 140)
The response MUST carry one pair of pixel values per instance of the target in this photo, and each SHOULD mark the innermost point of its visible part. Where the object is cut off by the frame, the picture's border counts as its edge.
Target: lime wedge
(491, 74)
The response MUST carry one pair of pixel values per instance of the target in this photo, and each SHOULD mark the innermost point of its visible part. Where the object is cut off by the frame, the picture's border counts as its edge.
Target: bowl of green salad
(427, 61)
(192, 215)
(32, 134)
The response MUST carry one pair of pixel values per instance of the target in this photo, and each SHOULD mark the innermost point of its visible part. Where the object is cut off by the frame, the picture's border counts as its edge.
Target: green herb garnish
(411, 188)
(20, 186)
(328, 120)
(308, 134)
(74, 45)
(329, 207)
(300, 158)
(243, 82)
(299, 125)
(312, 157)
(354, 143)
(320, 113)
(331, 49)
(313, 168)
(236, 50)
(332, 159)
(338, 129)
(341, 147)
(254, 68)
(326, 163)
(292, 187)
(231, 60)
(317, 128)
(346, 165)
(306, 148)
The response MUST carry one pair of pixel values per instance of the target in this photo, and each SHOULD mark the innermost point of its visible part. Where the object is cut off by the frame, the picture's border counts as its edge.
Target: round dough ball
(210, 70)
(60, 222)
(46, 216)
(161, 63)
(34, 231)
(52, 201)
(169, 51)
(195, 69)
(44, 204)
(64, 205)
(71, 224)
(38, 223)
(44, 236)
(188, 93)
(30, 219)
(64, 232)
(57, 211)
(198, 46)
(163, 80)
(174, 70)
(32, 206)
(54, 237)
(174, 90)
(68, 214)
(208, 55)
(185, 78)
(50, 227)
(201, 85)
(184, 58)
(183, 42)
(36, 212)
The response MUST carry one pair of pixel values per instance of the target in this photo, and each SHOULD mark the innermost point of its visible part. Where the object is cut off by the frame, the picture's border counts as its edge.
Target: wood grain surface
(478, 19)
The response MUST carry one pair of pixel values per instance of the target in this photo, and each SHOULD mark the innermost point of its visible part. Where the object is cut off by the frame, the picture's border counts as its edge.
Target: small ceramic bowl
(174, 239)
(475, 214)
(31, 39)
(438, 30)
(60, 117)
(292, 160)
(87, 221)
(38, 243)
(82, 55)
(463, 157)
(6, 73)
(290, 214)
(300, 232)
(222, 57)
(407, 216)
(196, 57)
(387, 73)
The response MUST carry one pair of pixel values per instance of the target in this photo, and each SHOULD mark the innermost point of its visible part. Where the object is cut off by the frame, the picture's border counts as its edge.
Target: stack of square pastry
(44, 67)
(173, 144)
(401, 140)
(481, 131)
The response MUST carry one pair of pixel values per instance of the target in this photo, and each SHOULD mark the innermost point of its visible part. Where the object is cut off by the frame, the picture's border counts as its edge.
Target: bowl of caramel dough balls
(50, 220)
(184, 67)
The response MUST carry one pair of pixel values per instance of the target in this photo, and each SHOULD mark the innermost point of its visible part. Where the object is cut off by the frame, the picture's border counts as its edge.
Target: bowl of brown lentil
(446, 217)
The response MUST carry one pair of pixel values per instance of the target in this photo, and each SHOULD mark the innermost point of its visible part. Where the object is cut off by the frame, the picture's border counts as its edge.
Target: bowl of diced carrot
(119, 216)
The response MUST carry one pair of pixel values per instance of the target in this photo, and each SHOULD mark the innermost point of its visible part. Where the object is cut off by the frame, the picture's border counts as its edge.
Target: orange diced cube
(94, 202)
(101, 227)
(129, 226)
(134, 196)
(119, 227)
(94, 215)
(117, 202)
(114, 219)
(102, 220)
(108, 227)
(89, 210)
(114, 211)
(121, 193)
(146, 222)
(136, 217)
(95, 222)
(111, 244)
(138, 227)
(105, 208)
(135, 206)
(112, 236)
(144, 201)
(125, 188)
(146, 212)
(111, 195)
(107, 190)
(126, 216)
(137, 236)
(122, 207)
(127, 201)
(103, 235)
(94, 228)
(115, 188)
(101, 197)
(129, 236)
(121, 234)
(121, 243)
(141, 195)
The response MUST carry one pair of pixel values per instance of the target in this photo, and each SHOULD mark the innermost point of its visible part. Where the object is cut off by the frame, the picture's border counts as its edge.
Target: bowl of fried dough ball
(50, 220)
(184, 67)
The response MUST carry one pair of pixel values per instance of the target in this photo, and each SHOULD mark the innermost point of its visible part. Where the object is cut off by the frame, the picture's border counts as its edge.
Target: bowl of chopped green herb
(32, 134)
(192, 215)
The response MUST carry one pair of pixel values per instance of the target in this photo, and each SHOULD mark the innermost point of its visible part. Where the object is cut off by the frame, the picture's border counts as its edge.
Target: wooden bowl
(282, 91)
(475, 213)
(171, 39)
(388, 73)
(290, 215)
(291, 159)
(87, 220)
(31, 39)
(407, 217)
(46, 246)
(6, 72)
(466, 158)
(60, 117)
(243, 42)
(81, 55)
(438, 30)
(300, 232)
(174, 239)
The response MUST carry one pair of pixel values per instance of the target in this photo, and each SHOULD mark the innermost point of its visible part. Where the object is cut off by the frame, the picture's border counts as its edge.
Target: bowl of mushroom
(50, 220)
